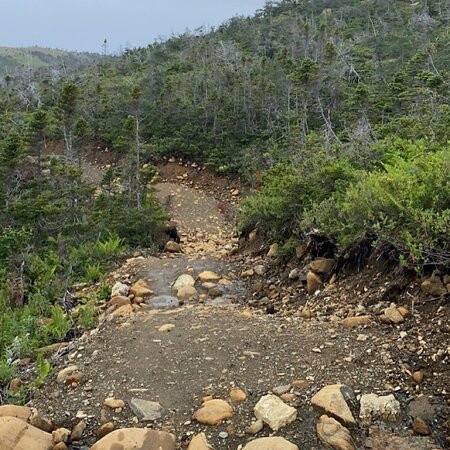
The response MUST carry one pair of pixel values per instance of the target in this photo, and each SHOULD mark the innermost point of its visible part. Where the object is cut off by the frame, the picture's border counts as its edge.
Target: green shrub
(406, 205)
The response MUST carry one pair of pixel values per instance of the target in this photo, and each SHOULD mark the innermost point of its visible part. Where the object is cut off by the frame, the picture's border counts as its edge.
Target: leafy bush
(406, 205)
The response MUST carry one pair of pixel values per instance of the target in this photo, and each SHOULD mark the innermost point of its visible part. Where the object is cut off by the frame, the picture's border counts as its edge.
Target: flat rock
(378, 407)
(182, 281)
(136, 438)
(280, 390)
(420, 407)
(433, 286)
(331, 400)
(213, 412)
(207, 275)
(163, 301)
(382, 439)
(166, 327)
(146, 410)
(354, 322)
(15, 434)
(19, 412)
(199, 442)
(333, 435)
(273, 411)
(270, 443)
(393, 314)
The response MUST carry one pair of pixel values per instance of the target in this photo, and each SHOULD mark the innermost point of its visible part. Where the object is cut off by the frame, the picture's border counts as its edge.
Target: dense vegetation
(16, 60)
(336, 111)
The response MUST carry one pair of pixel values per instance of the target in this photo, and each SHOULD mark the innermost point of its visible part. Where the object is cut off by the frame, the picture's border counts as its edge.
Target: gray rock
(163, 301)
(280, 390)
(146, 410)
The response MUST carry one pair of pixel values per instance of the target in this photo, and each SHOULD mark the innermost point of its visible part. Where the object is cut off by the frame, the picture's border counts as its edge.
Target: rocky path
(265, 381)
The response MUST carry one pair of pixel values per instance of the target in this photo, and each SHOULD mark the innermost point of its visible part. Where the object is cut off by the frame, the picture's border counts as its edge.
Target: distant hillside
(14, 59)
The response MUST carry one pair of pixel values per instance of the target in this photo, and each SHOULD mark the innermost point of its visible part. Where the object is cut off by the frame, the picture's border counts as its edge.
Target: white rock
(375, 407)
(259, 269)
(273, 411)
(119, 290)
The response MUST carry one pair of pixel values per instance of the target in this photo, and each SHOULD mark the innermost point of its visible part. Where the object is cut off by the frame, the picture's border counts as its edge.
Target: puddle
(163, 301)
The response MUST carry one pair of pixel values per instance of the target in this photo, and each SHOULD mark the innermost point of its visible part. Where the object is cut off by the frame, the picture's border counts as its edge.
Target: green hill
(14, 59)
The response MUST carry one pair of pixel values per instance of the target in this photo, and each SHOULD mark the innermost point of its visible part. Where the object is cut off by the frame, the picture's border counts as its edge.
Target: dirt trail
(216, 344)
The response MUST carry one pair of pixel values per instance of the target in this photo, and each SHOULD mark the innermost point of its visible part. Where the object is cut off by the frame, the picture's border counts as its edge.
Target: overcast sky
(84, 24)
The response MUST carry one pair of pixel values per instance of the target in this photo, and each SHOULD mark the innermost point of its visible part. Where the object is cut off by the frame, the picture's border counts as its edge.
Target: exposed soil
(232, 341)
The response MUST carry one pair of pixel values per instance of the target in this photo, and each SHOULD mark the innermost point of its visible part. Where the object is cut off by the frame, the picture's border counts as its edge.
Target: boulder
(333, 435)
(270, 443)
(213, 412)
(378, 407)
(172, 247)
(119, 290)
(324, 265)
(124, 311)
(331, 400)
(199, 442)
(15, 434)
(136, 438)
(182, 281)
(207, 275)
(187, 292)
(146, 410)
(273, 411)
(313, 282)
(141, 289)
(19, 412)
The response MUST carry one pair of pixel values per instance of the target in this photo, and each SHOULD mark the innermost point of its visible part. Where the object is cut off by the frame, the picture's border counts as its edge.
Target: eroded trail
(208, 346)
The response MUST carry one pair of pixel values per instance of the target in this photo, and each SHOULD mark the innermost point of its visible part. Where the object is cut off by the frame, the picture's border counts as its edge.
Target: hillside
(13, 60)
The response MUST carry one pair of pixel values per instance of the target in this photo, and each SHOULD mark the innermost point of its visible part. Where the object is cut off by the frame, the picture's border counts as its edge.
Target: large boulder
(333, 435)
(273, 411)
(15, 434)
(270, 443)
(136, 438)
(331, 400)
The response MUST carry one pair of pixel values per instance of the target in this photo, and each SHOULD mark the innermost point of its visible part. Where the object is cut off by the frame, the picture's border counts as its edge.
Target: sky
(82, 25)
